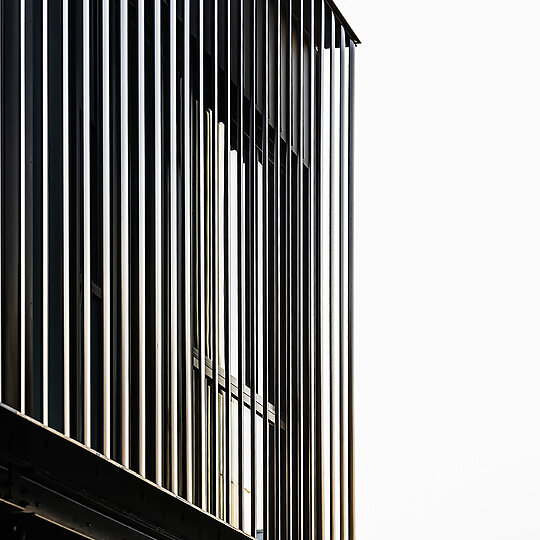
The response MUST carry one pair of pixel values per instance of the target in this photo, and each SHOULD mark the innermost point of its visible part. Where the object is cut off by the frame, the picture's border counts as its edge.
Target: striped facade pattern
(176, 246)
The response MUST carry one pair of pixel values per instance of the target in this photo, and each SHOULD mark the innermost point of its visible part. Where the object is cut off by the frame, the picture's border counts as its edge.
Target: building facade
(176, 269)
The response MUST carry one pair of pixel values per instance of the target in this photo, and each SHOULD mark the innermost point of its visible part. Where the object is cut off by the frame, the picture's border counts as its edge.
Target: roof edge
(339, 15)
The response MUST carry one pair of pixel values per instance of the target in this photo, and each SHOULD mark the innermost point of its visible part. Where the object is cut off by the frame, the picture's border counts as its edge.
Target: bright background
(447, 269)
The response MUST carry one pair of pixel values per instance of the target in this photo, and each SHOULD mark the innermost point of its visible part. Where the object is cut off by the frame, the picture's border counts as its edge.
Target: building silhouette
(176, 269)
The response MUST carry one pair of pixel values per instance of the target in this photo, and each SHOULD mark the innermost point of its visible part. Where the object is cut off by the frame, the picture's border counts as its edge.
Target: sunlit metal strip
(227, 217)
(186, 160)
(106, 232)
(243, 346)
(350, 293)
(266, 439)
(86, 222)
(124, 229)
(22, 274)
(278, 284)
(312, 247)
(215, 231)
(301, 275)
(1, 220)
(289, 334)
(252, 258)
(241, 299)
(65, 211)
(45, 231)
(324, 518)
(142, 238)
(202, 266)
(174, 253)
(159, 241)
(334, 305)
(342, 471)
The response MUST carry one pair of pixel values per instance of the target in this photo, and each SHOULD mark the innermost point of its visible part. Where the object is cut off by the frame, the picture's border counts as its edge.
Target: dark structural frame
(176, 269)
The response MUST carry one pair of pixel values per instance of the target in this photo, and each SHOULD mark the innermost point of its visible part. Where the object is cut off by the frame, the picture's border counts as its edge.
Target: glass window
(221, 244)
(247, 471)
(234, 464)
(259, 471)
(221, 456)
(233, 263)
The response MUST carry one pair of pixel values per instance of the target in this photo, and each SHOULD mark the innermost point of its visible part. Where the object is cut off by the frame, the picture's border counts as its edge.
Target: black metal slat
(227, 408)
(124, 233)
(265, 442)
(86, 224)
(301, 275)
(158, 243)
(332, 278)
(278, 334)
(252, 257)
(142, 236)
(45, 217)
(214, 258)
(311, 264)
(65, 216)
(240, 149)
(202, 261)
(187, 211)
(350, 293)
(288, 235)
(1, 194)
(173, 255)
(25, 187)
(342, 506)
(319, 505)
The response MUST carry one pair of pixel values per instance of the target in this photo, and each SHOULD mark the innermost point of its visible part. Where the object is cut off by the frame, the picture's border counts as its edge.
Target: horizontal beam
(44, 473)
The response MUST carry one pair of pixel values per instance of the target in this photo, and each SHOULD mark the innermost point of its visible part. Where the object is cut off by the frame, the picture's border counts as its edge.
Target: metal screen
(176, 246)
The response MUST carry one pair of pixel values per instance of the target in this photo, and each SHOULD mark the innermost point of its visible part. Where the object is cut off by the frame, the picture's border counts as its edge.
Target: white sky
(448, 269)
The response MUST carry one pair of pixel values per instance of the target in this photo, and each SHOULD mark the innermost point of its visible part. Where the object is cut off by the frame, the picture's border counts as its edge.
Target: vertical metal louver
(176, 209)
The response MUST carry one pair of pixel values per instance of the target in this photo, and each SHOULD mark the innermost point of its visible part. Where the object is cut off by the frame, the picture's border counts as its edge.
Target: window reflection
(259, 471)
(247, 471)
(234, 464)
(221, 244)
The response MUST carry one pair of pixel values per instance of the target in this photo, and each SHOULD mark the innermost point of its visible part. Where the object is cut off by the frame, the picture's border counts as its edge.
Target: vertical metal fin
(227, 175)
(106, 233)
(334, 317)
(202, 265)
(65, 213)
(215, 256)
(1, 192)
(312, 501)
(342, 373)
(142, 237)
(251, 259)
(266, 439)
(278, 282)
(158, 240)
(23, 211)
(45, 269)
(188, 356)
(124, 229)
(86, 224)
(289, 334)
(324, 296)
(301, 275)
(241, 300)
(350, 293)
(174, 254)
